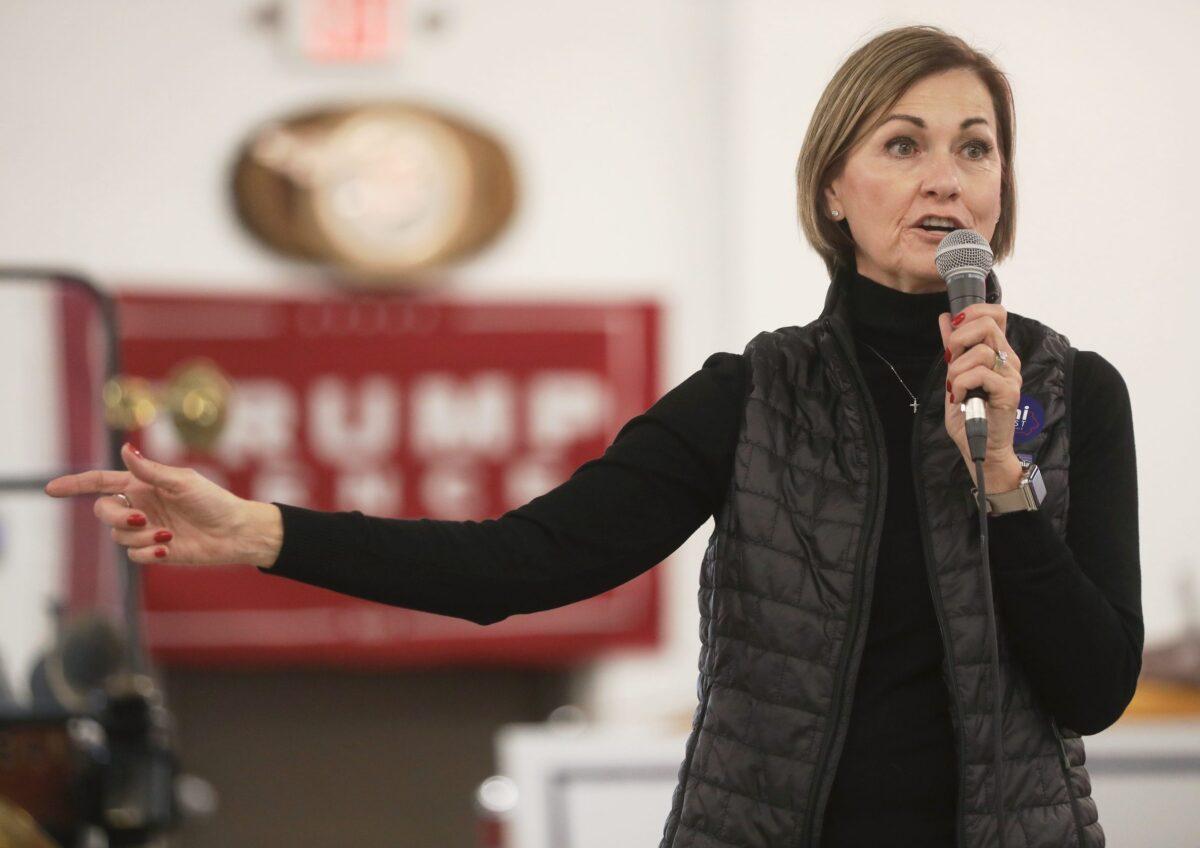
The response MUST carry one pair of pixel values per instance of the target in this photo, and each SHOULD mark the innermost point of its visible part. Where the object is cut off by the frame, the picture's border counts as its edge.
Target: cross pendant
(914, 406)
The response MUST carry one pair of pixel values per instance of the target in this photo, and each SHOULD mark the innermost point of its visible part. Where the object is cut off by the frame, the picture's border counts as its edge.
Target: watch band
(1028, 495)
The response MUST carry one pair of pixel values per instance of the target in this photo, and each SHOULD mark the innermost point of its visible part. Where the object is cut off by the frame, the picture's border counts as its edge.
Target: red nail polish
(136, 521)
(958, 319)
(163, 536)
(136, 451)
(160, 552)
(947, 356)
(952, 397)
(947, 385)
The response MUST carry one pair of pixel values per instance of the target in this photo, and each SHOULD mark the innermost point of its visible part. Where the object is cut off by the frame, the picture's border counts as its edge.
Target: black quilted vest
(785, 594)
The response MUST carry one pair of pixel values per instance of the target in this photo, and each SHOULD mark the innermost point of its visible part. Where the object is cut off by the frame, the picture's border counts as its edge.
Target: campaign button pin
(1031, 417)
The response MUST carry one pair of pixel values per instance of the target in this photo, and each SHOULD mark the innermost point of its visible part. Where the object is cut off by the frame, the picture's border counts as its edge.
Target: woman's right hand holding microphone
(176, 515)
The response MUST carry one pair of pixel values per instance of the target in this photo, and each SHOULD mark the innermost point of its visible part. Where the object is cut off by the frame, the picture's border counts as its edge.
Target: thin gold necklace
(914, 403)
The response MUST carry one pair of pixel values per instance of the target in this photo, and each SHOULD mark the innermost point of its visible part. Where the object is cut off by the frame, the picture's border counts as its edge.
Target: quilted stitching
(796, 502)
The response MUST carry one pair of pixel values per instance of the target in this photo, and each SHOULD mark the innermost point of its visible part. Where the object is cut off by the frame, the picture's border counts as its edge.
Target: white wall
(656, 142)
(121, 119)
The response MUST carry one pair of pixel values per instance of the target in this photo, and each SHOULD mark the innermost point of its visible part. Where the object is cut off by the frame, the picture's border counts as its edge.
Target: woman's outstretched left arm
(1073, 610)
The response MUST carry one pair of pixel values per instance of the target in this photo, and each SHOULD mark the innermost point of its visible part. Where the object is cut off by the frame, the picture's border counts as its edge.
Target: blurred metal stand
(117, 779)
(106, 312)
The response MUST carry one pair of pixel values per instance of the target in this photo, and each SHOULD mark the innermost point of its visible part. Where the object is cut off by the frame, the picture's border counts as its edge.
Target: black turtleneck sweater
(1072, 610)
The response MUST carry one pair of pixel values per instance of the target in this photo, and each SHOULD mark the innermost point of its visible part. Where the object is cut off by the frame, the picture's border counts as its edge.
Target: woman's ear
(833, 206)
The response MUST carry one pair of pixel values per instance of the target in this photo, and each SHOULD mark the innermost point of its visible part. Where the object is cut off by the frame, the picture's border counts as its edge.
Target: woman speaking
(847, 687)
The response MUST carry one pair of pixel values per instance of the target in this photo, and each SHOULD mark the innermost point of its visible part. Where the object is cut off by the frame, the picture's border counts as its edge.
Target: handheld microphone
(964, 259)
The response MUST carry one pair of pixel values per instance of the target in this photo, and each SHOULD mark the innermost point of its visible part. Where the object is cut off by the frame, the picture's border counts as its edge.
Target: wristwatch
(1029, 494)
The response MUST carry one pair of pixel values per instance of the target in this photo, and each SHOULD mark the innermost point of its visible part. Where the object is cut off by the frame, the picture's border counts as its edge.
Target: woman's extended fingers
(94, 482)
(104, 482)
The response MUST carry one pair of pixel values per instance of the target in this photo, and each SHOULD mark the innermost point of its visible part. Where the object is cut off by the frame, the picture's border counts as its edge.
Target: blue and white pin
(1031, 418)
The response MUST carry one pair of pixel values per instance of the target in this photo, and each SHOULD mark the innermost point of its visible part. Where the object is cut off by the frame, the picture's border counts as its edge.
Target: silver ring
(124, 498)
(1001, 360)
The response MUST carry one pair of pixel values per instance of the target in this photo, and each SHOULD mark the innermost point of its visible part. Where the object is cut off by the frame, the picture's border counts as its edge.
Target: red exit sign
(347, 31)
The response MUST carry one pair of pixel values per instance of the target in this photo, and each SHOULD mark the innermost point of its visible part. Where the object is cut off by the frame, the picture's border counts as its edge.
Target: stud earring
(834, 212)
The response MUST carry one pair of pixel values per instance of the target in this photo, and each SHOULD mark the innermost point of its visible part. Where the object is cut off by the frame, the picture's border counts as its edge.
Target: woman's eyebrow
(921, 123)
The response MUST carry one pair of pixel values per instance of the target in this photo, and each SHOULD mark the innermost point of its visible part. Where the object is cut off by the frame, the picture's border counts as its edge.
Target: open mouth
(938, 224)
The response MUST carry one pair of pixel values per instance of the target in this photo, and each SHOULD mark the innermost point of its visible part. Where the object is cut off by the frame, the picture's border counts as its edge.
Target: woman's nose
(940, 178)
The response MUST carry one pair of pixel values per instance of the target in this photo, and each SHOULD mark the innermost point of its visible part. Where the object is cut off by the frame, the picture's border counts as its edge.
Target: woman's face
(935, 155)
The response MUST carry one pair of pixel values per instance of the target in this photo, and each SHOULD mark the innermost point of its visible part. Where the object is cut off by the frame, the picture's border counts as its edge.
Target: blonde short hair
(870, 82)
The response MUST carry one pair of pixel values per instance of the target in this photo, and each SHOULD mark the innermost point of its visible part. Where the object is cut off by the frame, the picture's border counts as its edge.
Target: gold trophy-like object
(196, 395)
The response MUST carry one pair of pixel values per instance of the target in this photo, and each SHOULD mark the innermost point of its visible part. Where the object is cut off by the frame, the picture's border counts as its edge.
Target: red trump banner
(400, 406)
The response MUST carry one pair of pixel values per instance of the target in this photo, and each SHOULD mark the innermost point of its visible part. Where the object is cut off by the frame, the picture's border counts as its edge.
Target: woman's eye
(982, 147)
(904, 147)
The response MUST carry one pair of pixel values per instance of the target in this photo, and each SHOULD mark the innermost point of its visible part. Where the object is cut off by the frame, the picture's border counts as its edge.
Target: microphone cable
(993, 644)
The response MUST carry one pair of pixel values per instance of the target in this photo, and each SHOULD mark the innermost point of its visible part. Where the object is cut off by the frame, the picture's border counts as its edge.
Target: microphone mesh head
(961, 250)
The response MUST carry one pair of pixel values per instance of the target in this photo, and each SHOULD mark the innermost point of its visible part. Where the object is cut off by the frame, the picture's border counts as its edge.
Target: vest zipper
(940, 613)
(877, 483)
(1066, 768)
